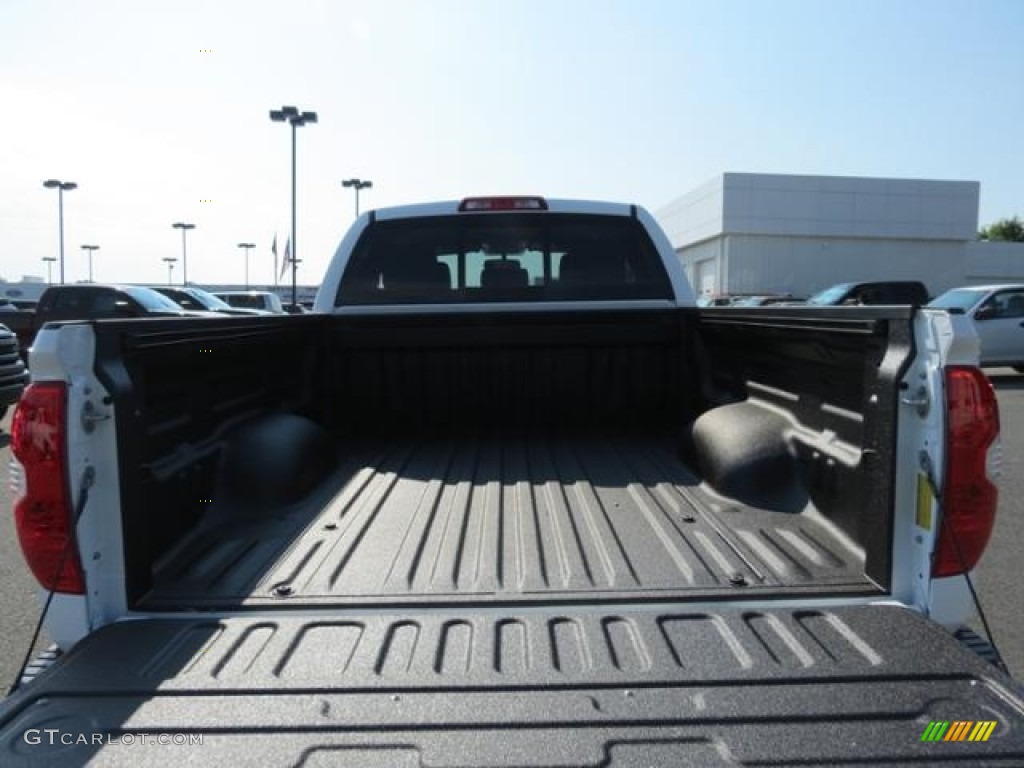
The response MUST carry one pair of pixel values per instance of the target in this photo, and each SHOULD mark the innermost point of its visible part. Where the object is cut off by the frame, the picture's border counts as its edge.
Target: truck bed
(644, 454)
(535, 518)
(567, 686)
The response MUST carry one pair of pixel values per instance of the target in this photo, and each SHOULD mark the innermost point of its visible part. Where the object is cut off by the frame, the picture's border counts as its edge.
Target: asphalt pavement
(997, 577)
(1001, 594)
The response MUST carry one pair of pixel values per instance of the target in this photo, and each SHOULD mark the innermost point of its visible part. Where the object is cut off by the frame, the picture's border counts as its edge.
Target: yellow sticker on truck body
(925, 499)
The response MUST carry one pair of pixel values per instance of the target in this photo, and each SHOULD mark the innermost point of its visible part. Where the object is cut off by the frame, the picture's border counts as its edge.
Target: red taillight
(43, 514)
(969, 497)
(503, 204)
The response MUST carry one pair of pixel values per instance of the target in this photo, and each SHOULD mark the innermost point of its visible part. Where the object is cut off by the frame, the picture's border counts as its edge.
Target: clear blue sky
(637, 100)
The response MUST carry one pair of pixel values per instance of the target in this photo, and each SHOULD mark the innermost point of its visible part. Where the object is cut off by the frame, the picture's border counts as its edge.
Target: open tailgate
(520, 687)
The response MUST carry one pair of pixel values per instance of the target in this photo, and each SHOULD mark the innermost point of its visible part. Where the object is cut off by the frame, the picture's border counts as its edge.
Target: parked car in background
(884, 292)
(190, 297)
(997, 312)
(719, 299)
(8, 306)
(745, 299)
(297, 309)
(705, 300)
(268, 301)
(13, 373)
(765, 300)
(89, 301)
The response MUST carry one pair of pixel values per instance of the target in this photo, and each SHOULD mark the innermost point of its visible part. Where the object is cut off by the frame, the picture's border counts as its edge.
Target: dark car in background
(13, 373)
(883, 292)
(89, 301)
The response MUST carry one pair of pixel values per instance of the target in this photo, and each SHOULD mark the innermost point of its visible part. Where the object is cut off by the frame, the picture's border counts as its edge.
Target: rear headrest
(417, 272)
(504, 274)
(602, 267)
(438, 275)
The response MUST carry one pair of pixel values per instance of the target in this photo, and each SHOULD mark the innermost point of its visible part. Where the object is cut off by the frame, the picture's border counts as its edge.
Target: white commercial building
(767, 233)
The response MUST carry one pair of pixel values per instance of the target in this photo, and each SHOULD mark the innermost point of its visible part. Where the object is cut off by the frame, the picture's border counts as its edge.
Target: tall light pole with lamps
(170, 268)
(49, 268)
(61, 187)
(247, 247)
(357, 184)
(296, 118)
(90, 249)
(184, 227)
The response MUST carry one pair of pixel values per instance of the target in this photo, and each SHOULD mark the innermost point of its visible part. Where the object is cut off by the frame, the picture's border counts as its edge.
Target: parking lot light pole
(247, 247)
(90, 249)
(357, 184)
(184, 227)
(296, 118)
(49, 268)
(61, 187)
(170, 268)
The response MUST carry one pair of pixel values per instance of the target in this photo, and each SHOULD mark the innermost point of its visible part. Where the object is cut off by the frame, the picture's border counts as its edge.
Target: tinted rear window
(151, 300)
(181, 298)
(503, 257)
(245, 302)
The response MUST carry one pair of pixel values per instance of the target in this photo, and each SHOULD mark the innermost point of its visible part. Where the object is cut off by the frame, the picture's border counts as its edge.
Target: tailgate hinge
(920, 400)
(91, 416)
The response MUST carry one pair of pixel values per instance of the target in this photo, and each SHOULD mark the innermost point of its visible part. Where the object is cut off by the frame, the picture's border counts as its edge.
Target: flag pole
(273, 249)
(288, 257)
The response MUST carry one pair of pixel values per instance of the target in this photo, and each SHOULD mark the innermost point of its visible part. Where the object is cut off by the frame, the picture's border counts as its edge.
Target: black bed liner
(516, 520)
(558, 687)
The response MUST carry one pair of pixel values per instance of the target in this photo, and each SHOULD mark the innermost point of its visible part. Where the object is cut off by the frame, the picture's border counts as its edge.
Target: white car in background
(997, 312)
(266, 301)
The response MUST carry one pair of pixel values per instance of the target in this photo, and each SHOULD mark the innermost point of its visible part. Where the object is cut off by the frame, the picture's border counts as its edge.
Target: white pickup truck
(510, 498)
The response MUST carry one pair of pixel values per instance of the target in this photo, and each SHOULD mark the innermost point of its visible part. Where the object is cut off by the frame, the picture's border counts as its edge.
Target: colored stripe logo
(958, 730)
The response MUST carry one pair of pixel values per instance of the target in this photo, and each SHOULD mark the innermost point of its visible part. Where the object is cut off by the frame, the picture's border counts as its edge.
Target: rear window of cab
(483, 257)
